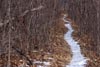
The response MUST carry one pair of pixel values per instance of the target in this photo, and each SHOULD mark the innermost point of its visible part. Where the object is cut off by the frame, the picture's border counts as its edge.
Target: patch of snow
(50, 58)
(37, 62)
(40, 66)
(46, 63)
(42, 62)
(78, 60)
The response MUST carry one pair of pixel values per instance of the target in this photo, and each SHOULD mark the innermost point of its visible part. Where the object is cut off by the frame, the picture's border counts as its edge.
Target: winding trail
(78, 60)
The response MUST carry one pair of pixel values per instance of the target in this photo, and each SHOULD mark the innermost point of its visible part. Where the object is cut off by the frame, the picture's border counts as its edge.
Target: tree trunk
(35, 29)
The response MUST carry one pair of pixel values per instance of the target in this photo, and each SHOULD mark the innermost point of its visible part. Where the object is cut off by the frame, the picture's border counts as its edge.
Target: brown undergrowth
(87, 47)
(48, 42)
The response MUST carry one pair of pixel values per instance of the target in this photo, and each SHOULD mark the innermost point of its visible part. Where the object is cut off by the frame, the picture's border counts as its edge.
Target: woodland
(33, 30)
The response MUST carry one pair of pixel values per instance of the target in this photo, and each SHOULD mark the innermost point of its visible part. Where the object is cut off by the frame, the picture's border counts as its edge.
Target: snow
(44, 62)
(40, 66)
(50, 58)
(78, 60)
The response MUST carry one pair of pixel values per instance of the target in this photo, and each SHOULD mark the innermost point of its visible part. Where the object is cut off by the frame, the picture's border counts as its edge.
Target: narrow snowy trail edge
(78, 60)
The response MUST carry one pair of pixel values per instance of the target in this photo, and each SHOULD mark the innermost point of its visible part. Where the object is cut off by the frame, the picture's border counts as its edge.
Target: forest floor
(86, 48)
(58, 58)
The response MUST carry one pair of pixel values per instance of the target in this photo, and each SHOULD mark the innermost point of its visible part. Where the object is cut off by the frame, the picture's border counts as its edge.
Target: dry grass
(86, 43)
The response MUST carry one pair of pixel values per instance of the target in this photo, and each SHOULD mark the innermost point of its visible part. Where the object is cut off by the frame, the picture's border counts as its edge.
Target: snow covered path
(78, 60)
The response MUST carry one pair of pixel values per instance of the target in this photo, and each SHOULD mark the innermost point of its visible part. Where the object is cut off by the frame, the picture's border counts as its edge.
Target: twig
(22, 54)
(34, 9)
(38, 8)
(9, 33)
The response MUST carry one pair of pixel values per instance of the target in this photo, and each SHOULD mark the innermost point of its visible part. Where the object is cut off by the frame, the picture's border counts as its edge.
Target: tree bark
(36, 28)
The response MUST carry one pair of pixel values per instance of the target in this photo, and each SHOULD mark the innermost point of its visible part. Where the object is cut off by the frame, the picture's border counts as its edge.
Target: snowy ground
(78, 60)
(39, 64)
